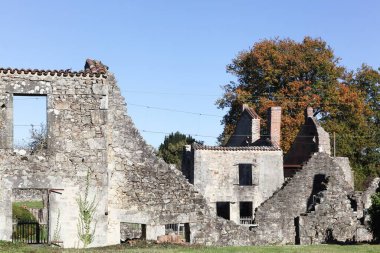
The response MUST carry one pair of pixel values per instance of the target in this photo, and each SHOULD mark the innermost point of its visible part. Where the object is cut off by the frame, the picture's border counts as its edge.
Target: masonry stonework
(90, 135)
(90, 132)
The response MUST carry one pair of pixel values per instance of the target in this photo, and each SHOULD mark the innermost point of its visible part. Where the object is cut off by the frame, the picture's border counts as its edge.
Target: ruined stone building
(310, 139)
(238, 177)
(89, 133)
(93, 144)
(317, 203)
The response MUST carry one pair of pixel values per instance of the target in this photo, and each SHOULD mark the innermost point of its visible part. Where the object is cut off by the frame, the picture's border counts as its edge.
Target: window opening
(176, 228)
(29, 122)
(245, 174)
(246, 213)
(223, 210)
(130, 232)
(320, 182)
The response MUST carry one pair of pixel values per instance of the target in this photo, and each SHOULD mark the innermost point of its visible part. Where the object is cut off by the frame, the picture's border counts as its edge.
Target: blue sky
(172, 54)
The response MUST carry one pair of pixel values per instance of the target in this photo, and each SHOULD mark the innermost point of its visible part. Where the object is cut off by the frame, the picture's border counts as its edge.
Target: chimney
(255, 124)
(308, 113)
(275, 125)
(255, 130)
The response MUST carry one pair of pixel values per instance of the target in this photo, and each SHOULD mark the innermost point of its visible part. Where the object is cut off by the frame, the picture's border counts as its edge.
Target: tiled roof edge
(63, 73)
(242, 148)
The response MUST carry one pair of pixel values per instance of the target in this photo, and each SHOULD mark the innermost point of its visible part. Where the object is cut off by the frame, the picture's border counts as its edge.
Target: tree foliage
(294, 75)
(171, 149)
(374, 213)
(22, 214)
(363, 146)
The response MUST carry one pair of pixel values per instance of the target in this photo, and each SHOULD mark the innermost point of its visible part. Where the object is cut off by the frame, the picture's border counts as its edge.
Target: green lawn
(38, 204)
(153, 248)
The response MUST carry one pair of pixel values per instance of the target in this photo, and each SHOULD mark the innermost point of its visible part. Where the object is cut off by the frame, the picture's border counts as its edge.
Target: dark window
(246, 209)
(245, 174)
(246, 214)
(223, 210)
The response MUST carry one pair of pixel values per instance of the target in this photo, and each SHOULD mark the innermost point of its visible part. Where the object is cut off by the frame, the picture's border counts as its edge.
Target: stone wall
(312, 204)
(334, 219)
(90, 132)
(144, 189)
(29, 195)
(76, 114)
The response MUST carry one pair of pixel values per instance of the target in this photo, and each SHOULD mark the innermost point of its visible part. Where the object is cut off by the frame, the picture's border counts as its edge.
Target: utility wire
(264, 135)
(174, 110)
(198, 94)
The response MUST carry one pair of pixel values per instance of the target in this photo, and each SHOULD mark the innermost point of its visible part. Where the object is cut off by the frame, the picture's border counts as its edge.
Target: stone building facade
(238, 177)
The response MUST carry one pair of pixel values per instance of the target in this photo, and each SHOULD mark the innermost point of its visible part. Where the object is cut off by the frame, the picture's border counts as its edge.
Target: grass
(37, 204)
(166, 248)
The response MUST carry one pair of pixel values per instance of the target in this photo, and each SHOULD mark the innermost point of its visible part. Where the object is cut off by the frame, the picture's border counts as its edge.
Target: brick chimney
(274, 125)
(308, 113)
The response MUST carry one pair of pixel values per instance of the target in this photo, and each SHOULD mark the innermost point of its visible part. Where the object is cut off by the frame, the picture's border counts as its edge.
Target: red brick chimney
(308, 113)
(274, 121)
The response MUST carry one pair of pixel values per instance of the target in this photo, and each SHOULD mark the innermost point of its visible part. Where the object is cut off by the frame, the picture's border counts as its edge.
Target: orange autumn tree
(283, 73)
(294, 75)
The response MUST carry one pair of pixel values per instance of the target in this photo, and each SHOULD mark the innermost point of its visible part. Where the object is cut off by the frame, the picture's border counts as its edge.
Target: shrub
(21, 214)
(374, 213)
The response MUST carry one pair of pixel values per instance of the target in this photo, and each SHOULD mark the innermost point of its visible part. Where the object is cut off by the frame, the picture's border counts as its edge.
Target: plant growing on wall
(57, 230)
(86, 224)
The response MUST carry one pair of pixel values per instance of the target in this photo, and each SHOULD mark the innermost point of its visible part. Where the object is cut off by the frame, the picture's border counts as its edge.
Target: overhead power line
(174, 110)
(264, 135)
(197, 94)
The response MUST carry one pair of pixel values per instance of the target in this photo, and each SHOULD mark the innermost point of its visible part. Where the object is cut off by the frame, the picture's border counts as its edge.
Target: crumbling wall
(144, 189)
(310, 139)
(277, 217)
(334, 216)
(89, 131)
(344, 164)
(372, 189)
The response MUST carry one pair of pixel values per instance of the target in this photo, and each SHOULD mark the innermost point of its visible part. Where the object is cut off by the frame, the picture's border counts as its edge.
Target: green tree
(171, 149)
(374, 213)
(367, 80)
(294, 75)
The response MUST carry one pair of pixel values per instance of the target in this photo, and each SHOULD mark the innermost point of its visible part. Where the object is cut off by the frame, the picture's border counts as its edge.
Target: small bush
(21, 214)
(374, 213)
